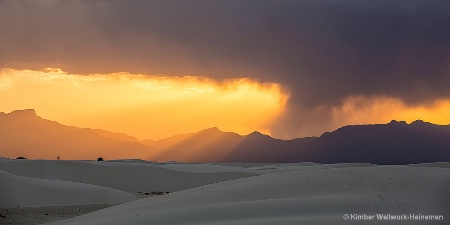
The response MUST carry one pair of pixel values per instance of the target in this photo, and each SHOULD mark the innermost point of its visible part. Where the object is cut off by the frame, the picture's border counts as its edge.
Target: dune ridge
(18, 191)
(315, 196)
(126, 176)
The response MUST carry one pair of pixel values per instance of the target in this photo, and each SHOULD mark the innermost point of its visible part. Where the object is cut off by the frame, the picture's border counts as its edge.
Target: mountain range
(23, 133)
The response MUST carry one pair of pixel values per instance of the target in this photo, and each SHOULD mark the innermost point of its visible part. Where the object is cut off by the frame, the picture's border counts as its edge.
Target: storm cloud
(322, 52)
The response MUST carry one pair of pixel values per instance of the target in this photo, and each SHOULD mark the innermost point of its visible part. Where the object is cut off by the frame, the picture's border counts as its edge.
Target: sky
(290, 69)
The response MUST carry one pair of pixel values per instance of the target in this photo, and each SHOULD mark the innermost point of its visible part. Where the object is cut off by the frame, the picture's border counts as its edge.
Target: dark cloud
(322, 51)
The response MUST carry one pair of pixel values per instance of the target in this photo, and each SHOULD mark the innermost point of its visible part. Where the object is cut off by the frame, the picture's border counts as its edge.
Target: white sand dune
(319, 196)
(4, 159)
(228, 193)
(34, 192)
(256, 168)
(285, 167)
(131, 176)
(207, 168)
(436, 164)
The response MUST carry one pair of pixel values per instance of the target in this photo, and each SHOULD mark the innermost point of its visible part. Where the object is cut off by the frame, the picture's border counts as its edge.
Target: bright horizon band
(155, 107)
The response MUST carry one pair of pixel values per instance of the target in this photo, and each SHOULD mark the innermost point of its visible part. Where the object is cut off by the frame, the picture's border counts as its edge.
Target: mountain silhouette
(268, 149)
(209, 145)
(23, 133)
(393, 143)
(166, 143)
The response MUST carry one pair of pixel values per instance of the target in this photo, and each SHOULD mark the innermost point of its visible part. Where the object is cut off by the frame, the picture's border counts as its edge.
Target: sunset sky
(289, 69)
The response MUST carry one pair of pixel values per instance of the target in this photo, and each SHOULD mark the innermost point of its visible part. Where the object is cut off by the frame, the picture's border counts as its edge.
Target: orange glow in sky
(155, 107)
(143, 106)
(382, 109)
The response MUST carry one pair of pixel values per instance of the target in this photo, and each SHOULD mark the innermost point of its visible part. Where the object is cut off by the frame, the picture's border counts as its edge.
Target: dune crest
(316, 196)
(18, 191)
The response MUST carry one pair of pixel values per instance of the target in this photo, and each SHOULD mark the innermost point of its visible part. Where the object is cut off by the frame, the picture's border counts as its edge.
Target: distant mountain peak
(213, 129)
(210, 130)
(415, 122)
(395, 122)
(421, 123)
(257, 134)
(24, 132)
(23, 113)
